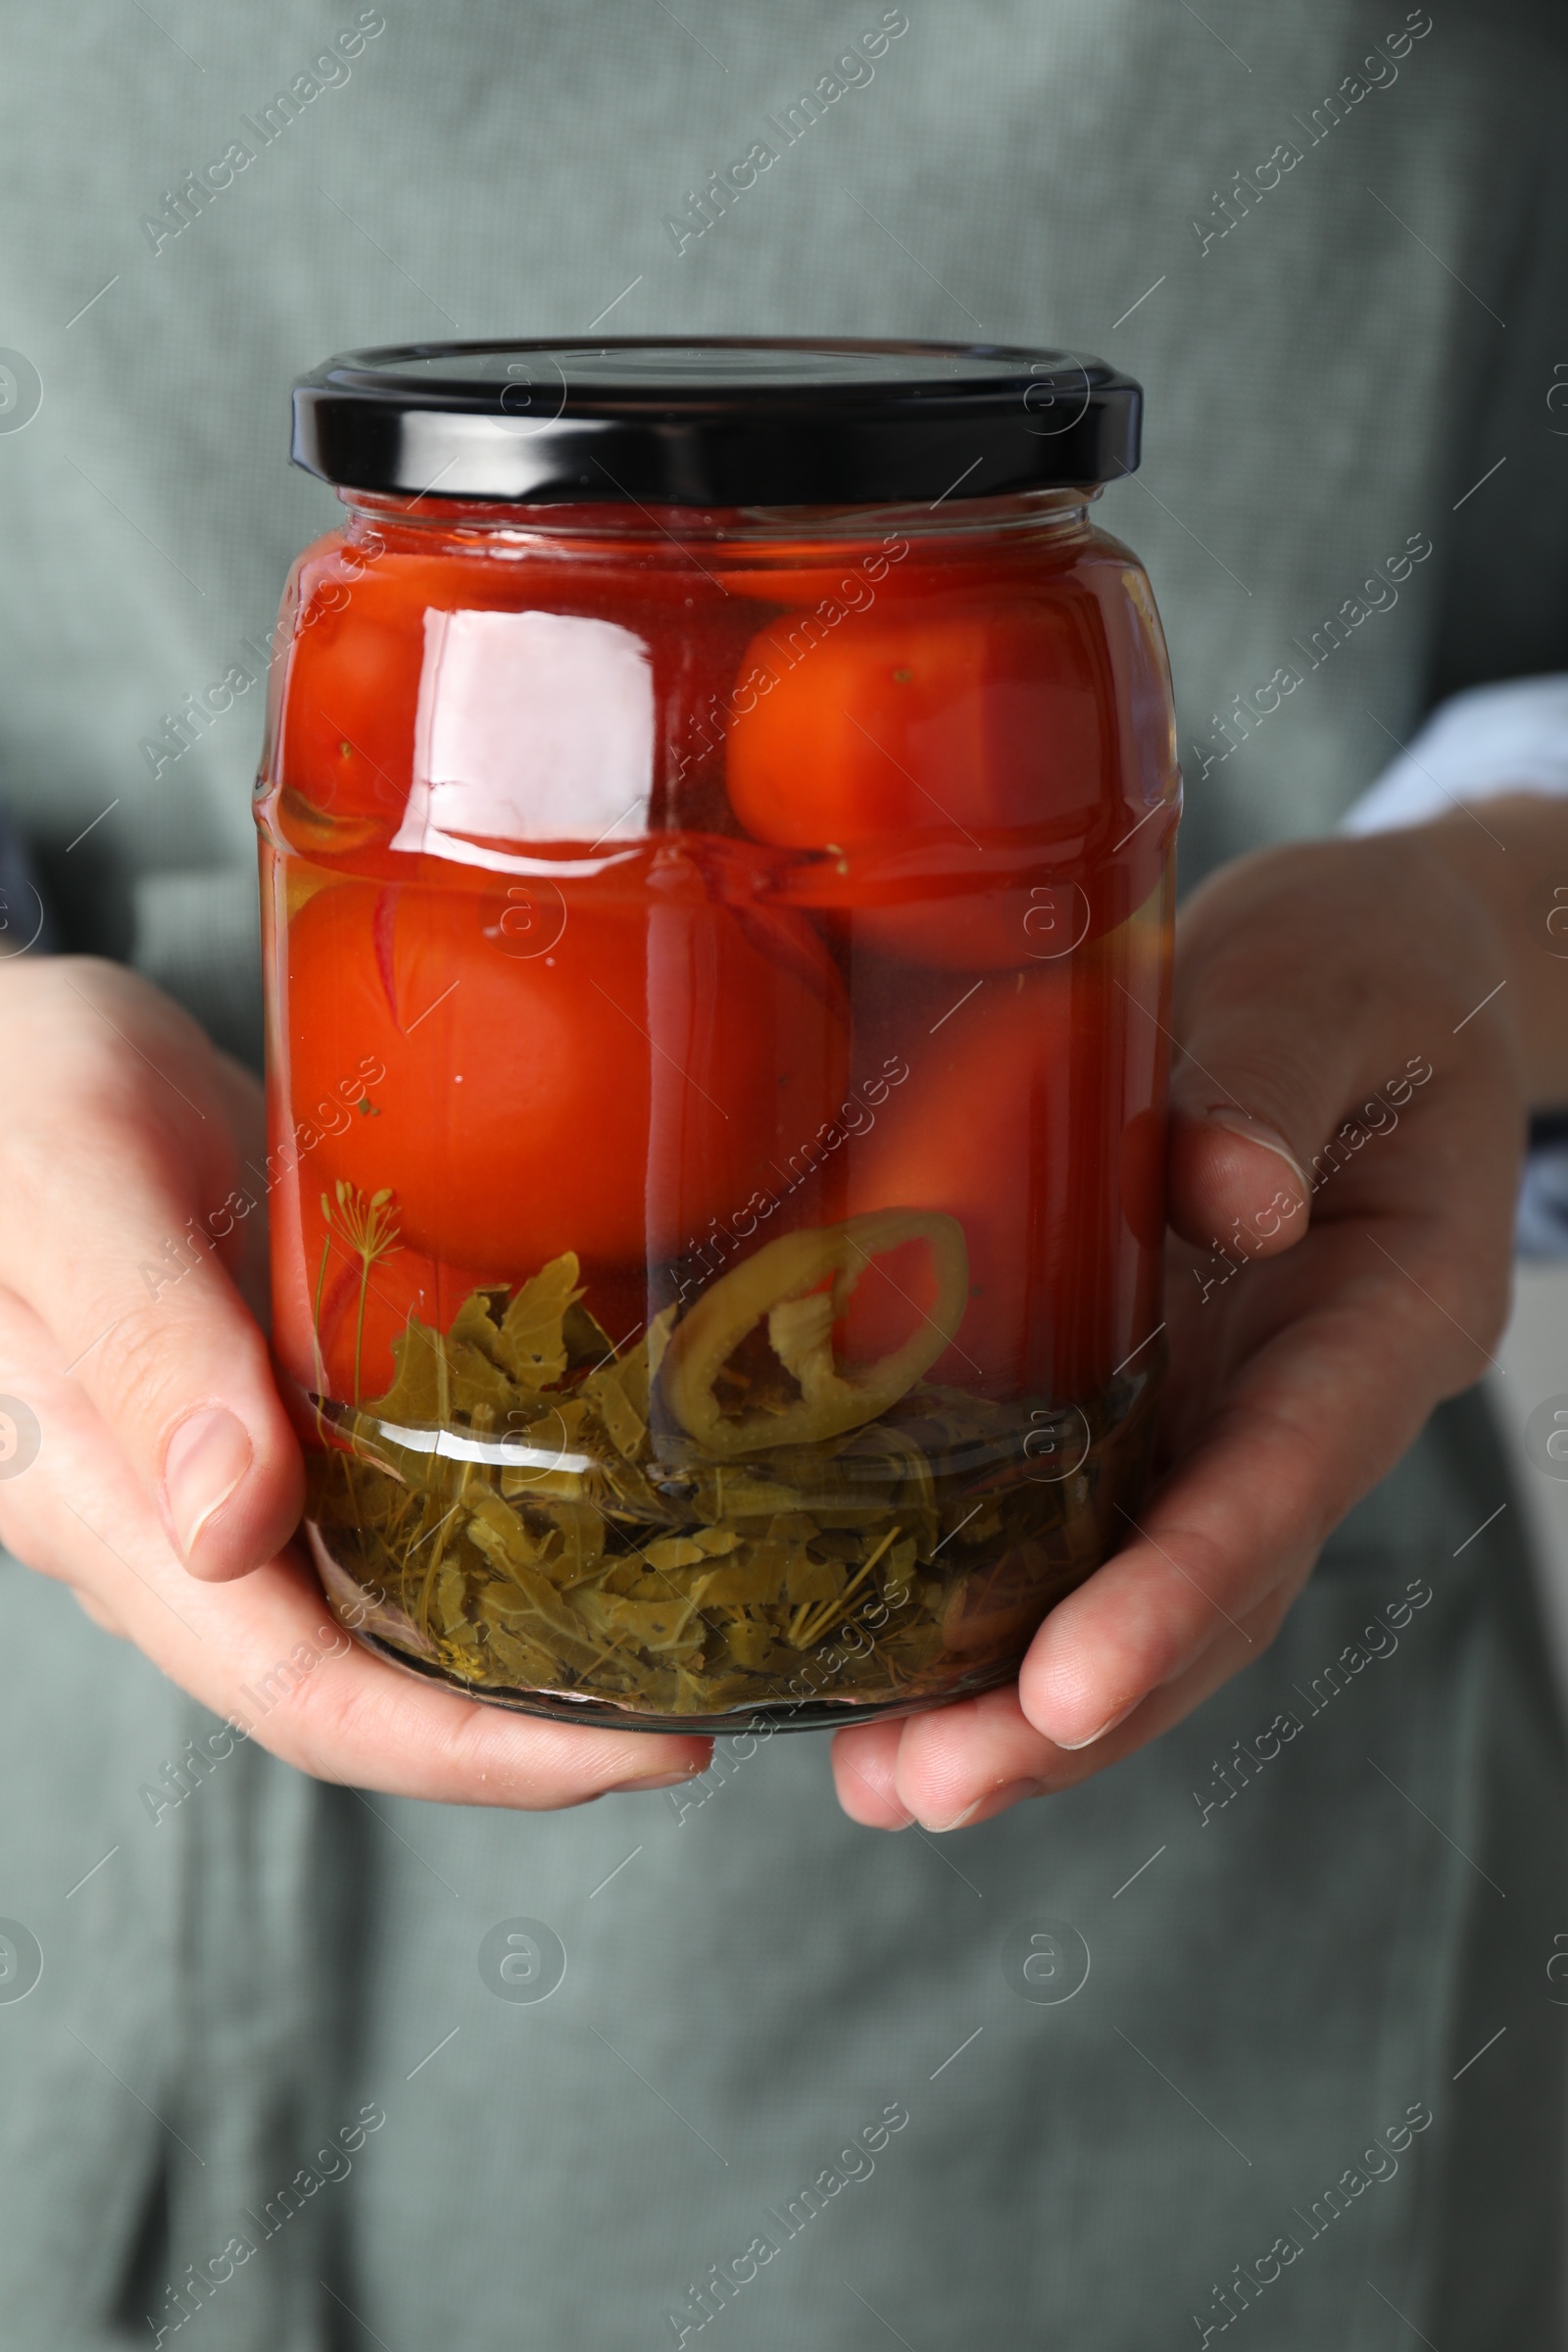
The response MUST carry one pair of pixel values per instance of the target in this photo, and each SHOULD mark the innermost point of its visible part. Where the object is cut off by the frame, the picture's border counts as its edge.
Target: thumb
(151, 1327)
(1283, 1008)
(1258, 1077)
(109, 1168)
(1236, 1182)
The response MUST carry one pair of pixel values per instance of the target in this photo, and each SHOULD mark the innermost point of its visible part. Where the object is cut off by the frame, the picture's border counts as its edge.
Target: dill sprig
(365, 1230)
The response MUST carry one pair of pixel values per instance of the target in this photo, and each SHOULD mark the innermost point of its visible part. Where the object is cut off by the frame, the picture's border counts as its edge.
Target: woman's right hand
(145, 1457)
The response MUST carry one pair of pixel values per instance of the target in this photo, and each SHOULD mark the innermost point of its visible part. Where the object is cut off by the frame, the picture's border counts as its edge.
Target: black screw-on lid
(725, 421)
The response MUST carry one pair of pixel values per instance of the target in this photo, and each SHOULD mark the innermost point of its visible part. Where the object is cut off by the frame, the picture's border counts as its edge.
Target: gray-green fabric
(750, 1979)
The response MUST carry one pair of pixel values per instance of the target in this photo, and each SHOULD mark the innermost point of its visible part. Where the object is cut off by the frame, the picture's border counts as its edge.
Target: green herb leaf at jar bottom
(512, 1516)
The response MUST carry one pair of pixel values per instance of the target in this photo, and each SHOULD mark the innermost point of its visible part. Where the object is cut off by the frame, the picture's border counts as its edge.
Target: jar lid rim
(714, 420)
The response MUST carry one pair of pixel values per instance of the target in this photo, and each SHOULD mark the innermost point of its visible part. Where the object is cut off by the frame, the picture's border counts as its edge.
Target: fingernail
(207, 1455)
(958, 1819)
(1256, 1131)
(654, 1779)
(1109, 1725)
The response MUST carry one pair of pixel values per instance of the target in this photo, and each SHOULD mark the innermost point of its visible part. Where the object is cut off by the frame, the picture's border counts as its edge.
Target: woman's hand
(1324, 1291)
(150, 1465)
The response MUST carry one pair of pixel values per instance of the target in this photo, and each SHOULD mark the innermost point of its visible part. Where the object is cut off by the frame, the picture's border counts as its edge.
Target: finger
(351, 1717)
(243, 1252)
(1308, 1426)
(1236, 1186)
(124, 1151)
(1206, 1576)
(978, 1756)
(1283, 1036)
(101, 1615)
(965, 1764)
(265, 1652)
(865, 1759)
(1204, 1560)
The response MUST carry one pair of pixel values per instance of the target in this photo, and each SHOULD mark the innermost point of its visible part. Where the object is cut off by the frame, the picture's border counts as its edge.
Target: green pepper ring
(782, 1282)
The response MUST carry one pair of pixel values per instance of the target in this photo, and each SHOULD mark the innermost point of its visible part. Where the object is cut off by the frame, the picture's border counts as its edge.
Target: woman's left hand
(1346, 982)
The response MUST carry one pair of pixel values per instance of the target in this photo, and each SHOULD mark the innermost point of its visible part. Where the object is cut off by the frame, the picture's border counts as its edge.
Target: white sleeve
(1511, 737)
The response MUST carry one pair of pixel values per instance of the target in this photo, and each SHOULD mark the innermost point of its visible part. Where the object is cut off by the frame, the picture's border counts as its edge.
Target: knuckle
(94, 1058)
(138, 1372)
(85, 1136)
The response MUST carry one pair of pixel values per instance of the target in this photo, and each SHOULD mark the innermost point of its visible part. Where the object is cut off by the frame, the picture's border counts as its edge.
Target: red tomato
(902, 721)
(609, 1091)
(346, 742)
(951, 726)
(1011, 1120)
(973, 747)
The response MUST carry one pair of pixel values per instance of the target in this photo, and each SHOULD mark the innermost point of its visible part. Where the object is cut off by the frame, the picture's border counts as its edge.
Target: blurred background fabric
(1355, 502)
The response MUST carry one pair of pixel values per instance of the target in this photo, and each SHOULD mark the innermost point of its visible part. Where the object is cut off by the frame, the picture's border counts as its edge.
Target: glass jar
(717, 832)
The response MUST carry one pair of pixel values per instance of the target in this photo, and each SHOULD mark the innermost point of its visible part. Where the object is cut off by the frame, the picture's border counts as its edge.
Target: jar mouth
(1049, 511)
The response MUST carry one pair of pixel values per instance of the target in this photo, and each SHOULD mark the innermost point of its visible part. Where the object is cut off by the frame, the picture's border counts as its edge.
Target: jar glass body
(717, 977)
